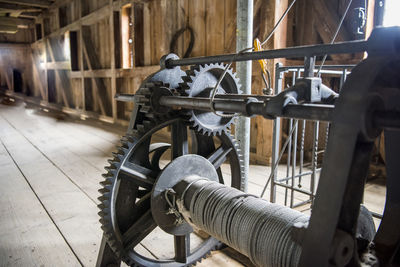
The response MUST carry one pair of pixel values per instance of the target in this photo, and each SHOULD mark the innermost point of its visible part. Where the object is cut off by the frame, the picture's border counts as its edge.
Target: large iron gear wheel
(125, 211)
(199, 82)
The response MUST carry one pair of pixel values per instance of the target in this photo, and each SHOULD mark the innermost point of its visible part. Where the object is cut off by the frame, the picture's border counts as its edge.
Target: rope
(255, 227)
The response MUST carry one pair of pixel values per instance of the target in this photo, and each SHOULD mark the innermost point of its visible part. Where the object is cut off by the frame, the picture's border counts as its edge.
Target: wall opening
(127, 36)
(17, 80)
(391, 13)
(38, 27)
(62, 16)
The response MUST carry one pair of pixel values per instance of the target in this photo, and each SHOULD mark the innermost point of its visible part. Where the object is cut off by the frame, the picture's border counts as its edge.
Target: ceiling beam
(11, 21)
(17, 8)
(32, 3)
(29, 15)
(8, 29)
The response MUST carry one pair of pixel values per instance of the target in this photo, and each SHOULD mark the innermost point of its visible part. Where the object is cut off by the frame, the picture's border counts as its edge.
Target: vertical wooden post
(46, 81)
(82, 68)
(113, 72)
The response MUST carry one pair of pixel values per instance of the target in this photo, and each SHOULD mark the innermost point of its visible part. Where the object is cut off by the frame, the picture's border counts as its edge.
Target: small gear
(147, 98)
(125, 210)
(199, 82)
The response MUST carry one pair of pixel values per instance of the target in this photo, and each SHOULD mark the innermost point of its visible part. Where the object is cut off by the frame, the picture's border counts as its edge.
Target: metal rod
(294, 163)
(275, 166)
(292, 52)
(314, 112)
(244, 37)
(295, 67)
(301, 203)
(303, 132)
(314, 161)
(296, 189)
(303, 111)
(376, 215)
(289, 153)
(276, 135)
(297, 175)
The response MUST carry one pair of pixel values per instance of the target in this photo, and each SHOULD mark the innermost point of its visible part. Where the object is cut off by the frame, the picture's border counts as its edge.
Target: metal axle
(250, 106)
(300, 51)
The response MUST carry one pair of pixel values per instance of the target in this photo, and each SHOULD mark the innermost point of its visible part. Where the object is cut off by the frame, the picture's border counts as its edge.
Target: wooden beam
(34, 3)
(36, 66)
(59, 65)
(119, 73)
(11, 21)
(29, 15)
(90, 19)
(10, 8)
(327, 21)
(63, 78)
(8, 29)
(112, 48)
(93, 63)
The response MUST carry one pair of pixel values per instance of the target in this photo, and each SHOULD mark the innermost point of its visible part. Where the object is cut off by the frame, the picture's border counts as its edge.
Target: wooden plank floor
(51, 170)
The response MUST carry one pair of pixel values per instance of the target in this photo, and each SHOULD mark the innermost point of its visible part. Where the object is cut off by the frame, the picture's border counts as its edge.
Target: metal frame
(292, 174)
(372, 92)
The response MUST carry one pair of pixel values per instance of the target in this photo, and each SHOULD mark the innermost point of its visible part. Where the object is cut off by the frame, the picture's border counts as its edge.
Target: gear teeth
(102, 206)
(145, 90)
(145, 109)
(188, 87)
(111, 161)
(107, 175)
(187, 79)
(140, 127)
(102, 213)
(103, 221)
(103, 190)
(116, 154)
(147, 124)
(150, 115)
(128, 142)
(110, 168)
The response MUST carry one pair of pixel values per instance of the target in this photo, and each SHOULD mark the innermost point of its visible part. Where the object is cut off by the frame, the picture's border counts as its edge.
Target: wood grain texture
(28, 236)
(70, 208)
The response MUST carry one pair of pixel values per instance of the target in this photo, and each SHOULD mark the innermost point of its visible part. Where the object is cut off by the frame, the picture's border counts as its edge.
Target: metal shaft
(317, 112)
(242, 106)
(300, 51)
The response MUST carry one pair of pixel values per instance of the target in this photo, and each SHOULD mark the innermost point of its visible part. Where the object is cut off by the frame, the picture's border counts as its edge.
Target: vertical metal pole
(309, 65)
(289, 155)
(343, 78)
(314, 161)
(244, 40)
(303, 134)
(276, 134)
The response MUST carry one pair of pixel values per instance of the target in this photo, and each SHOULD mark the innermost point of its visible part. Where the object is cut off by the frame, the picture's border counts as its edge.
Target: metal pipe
(291, 52)
(327, 67)
(294, 164)
(303, 111)
(276, 135)
(244, 37)
(289, 153)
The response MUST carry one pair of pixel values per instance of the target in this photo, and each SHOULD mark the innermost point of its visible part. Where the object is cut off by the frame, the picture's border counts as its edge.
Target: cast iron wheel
(126, 216)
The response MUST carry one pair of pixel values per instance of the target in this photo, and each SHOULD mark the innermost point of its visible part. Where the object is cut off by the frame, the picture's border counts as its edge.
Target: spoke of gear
(125, 213)
(199, 82)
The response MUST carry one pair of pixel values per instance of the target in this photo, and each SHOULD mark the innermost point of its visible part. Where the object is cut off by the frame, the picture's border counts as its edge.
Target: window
(391, 13)
(127, 36)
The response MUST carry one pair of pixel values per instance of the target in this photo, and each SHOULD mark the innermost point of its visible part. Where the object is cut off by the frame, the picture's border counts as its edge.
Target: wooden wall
(75, 64)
